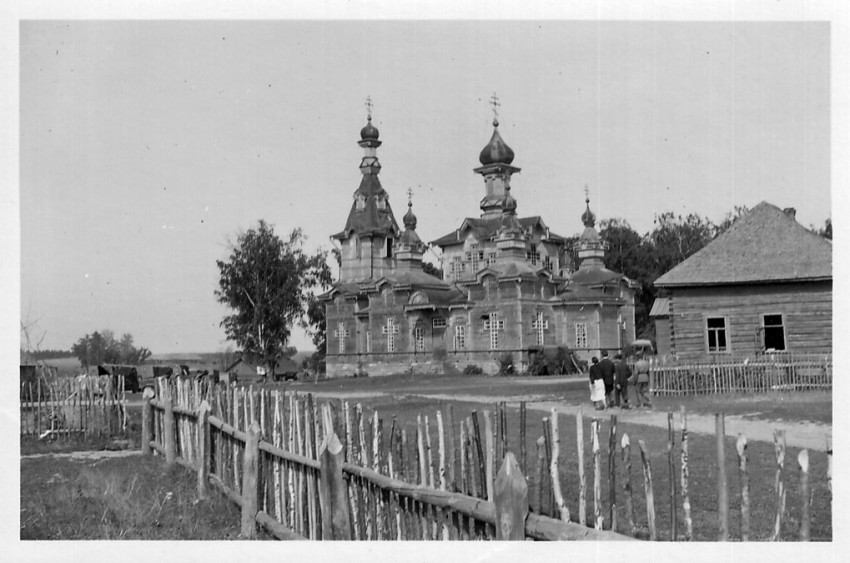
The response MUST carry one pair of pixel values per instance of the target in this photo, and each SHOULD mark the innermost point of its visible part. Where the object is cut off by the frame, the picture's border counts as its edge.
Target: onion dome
(588, 218)
(496, 150)
(369, 132)
(409, 218)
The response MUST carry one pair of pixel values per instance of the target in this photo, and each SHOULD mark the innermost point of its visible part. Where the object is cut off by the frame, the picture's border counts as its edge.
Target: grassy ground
(814, 406)
(112, 499)
(703, 472)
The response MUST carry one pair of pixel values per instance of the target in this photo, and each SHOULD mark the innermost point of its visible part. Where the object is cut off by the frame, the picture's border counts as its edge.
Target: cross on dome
(369, 108)
(494, 101)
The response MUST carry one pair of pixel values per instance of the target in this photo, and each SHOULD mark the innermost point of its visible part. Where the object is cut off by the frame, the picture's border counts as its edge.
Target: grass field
(112, 499)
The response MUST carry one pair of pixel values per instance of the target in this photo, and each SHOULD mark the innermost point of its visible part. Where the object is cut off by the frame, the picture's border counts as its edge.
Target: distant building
(247, 371)
(508, 285)
(764, 285)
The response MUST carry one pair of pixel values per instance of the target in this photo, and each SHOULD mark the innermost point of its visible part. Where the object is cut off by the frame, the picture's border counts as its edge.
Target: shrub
(506, 364)
(472, 369)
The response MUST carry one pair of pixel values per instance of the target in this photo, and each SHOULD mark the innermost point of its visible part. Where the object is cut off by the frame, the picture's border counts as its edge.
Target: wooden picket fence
(309, 470)
(780, 372)
(280, 457)
(67, 407)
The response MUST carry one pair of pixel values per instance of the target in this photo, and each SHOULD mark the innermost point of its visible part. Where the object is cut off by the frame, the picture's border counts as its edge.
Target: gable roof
(765, 245)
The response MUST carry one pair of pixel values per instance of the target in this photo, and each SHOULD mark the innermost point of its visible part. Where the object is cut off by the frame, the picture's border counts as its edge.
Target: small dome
(496, 150)
(509, 204)
(409, 218)
(370, 132)
(588, 218)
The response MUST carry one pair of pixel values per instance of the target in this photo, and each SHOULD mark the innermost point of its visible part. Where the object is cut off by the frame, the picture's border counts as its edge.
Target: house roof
(244, 367)
(660, 307)
(486, 228)
(370, 219)
(765, 245)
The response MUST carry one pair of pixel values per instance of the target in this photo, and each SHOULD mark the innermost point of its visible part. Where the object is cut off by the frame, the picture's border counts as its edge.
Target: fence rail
(304, 470)
(86, 405)
(761, 375)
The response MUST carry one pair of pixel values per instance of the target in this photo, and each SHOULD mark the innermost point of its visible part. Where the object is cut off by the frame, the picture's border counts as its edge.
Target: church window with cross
(341, 333)
(390, 330)
(540, 326)
(493, 324)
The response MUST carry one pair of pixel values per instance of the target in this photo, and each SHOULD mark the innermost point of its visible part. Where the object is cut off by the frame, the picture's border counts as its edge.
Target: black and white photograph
(442, 273)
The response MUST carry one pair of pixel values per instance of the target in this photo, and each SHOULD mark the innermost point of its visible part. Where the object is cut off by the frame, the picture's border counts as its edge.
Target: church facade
(508, 287)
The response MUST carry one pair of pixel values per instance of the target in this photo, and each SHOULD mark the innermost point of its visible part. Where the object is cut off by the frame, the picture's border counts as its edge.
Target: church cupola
(510, 237)
(410, 248)
(590, 247)
(495, 158)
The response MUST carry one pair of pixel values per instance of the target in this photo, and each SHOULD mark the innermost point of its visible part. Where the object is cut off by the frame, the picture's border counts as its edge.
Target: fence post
(250, 480)
(582, 482)
(147, 421)
(511, 498)
(168, 427)
(779, 482)
(741, 446)
(647, 484)
(805, 520)
(203, 448)
(563, 511)
(336, 524)
(722, 488)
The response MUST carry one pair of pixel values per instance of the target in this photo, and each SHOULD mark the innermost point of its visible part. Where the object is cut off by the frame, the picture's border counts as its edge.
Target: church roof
(595, 276)
(486, 228)
(577, 294)
(370, 219)
(765, 245)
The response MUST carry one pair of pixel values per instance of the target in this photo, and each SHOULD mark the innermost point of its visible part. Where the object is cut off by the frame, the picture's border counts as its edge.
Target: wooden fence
(80, 406)
(281, 458)
(305, 470)
(761, 375)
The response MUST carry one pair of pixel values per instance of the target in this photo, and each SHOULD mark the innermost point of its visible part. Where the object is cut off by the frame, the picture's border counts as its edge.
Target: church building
(509, 285)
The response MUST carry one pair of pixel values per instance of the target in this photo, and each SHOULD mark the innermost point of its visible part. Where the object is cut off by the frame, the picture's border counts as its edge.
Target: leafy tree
(675, 238)
(826, 230)
(431, 269)
(103, 348)
(730, 219)
(267, 283)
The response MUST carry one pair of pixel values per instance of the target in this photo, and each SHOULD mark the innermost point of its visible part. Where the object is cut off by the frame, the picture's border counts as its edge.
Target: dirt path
(797, 434)
(87, 455)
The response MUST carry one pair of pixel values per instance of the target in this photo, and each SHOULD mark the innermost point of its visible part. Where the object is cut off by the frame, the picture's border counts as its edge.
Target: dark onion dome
(370, 132)
(588, 218)
(409, 218)
(496, 150)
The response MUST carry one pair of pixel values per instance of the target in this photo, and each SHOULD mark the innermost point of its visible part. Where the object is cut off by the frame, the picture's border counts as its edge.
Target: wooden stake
(685, 478)
(538, 505)
(204, 457)
(627, 481)
(722, 487)
(511, 499)
(147, 420)
(482, 470)
(169, 430)
(488, 452)
(597, 476)
(741, 447)
(582, 480)
(547, 443)
(805, 519)
(612, 473)
(563, 511)
(249, 483)
(779, 483)
(452, 479)
(647, 484)
(522, 445)
(674, 527)
(336, 524)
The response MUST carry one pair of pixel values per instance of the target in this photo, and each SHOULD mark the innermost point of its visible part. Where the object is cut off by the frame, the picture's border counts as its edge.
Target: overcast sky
(146, 147)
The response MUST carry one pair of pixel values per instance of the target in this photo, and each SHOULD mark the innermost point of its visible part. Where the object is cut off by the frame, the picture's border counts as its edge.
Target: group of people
(610, 380)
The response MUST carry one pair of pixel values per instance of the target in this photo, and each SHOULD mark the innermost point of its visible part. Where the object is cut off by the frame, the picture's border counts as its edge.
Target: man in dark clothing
(622, 373)
(606, 369)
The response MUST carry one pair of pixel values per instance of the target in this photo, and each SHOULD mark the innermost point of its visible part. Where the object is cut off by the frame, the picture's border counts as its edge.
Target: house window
(389, 247)
(493, 324)
(390, 330)
(540, 325)
(438, 322)
(533, 256)
(716, 334)
(460, 337)
(581, 335)
(474, 257)
(547, 263)
(456, 267)
(368, 341)
(381, 203)
(491, 258)
(774, 332)
(419, 339)
(341, 333)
